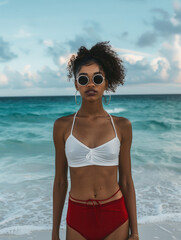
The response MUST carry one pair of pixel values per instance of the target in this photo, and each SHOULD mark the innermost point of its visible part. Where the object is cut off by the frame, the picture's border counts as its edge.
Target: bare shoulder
(63, 121)
(61, 124)
(121, 121)
(123, 126)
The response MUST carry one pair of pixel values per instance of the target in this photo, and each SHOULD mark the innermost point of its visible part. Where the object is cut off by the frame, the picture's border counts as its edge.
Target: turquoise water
(27, 157)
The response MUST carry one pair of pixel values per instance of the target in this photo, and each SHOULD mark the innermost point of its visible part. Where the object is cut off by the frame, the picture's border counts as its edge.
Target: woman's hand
(133, 236)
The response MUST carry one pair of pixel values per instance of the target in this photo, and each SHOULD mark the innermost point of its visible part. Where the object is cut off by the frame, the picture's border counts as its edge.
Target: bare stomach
(94, 182)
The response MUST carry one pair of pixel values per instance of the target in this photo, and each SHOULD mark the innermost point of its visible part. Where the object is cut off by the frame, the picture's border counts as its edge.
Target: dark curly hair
(107, 59)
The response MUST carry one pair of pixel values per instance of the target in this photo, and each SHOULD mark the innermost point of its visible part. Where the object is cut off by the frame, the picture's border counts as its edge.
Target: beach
(27, 163)
(148, 231)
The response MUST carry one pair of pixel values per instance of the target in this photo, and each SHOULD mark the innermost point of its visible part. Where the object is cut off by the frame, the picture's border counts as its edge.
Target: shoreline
(147, 231)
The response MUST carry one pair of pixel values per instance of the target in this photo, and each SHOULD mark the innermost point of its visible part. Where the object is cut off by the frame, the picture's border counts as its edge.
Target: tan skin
(95, 182)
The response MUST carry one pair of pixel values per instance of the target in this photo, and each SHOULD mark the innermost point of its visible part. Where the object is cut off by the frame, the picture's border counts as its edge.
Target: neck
(92, 108)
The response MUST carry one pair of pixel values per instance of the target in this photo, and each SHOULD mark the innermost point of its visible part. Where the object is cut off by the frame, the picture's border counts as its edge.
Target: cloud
(177, 8)
(166, 66)
(54, 49)
(172, 51)
(79, 40)
(22, 33)
(147, 72)
(167, 24)
(5, 53)
(3, 80)
(43, 78)
(19, 80)
(161, 64)
(121, 36)
(147, 39)
(124, 50)
(59, 51)
(48, 43)
(51, 78)
(162, 67)
(64, 59)
(141, 68)
(132, 59)
(161, 12)
(90, 36)
(163, 25)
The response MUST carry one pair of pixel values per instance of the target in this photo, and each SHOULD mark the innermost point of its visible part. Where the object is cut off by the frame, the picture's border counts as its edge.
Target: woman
(95, 145)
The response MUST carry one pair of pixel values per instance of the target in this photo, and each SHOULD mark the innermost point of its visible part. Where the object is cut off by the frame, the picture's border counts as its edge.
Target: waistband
(97, 200)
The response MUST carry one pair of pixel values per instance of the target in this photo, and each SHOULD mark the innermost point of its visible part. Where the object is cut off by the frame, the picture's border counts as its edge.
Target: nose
(91, 81)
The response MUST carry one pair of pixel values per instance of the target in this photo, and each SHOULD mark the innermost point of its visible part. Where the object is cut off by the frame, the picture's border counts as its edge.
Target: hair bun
(83, 51)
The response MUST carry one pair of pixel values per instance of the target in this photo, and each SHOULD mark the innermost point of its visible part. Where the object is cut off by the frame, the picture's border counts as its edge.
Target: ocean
(27, 157)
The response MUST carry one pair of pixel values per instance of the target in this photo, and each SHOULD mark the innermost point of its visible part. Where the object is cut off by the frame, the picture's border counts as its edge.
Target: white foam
(116, 110)
(175, 217)
(25, 229)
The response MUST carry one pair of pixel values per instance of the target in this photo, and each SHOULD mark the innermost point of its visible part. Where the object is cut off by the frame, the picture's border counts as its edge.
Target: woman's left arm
(125, 177)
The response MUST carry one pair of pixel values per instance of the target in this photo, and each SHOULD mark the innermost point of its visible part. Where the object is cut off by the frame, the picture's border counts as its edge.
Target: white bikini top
(79, 155)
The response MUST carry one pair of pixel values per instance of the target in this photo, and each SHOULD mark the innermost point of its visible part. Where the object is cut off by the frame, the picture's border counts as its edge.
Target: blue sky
(37, 39)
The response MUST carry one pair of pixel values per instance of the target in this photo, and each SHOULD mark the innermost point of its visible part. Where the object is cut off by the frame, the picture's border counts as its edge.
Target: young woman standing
(95, 146)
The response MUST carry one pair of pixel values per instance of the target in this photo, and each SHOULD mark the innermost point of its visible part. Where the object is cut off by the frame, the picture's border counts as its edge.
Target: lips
(90, 91)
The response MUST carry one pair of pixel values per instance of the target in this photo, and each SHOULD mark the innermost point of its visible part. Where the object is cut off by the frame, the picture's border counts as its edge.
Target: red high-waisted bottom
(95, 222)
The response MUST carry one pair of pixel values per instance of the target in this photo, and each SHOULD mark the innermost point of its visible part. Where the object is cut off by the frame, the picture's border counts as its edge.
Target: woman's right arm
(60, 181)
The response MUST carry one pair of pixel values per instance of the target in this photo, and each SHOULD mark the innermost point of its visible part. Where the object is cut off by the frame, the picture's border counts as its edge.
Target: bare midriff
(94, 182)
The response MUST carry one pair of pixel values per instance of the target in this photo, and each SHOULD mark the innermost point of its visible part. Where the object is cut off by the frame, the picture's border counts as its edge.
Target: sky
(37, 39)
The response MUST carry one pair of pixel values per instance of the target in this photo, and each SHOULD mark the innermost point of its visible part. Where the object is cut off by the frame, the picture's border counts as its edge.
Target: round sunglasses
(97, 79)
